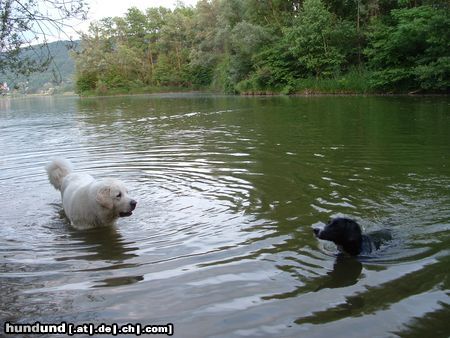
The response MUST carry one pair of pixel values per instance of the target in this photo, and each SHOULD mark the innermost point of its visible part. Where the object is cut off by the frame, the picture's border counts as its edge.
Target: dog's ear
(104, 198)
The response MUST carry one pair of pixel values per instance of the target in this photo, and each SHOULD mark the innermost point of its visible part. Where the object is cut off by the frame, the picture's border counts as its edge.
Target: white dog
(88, 202)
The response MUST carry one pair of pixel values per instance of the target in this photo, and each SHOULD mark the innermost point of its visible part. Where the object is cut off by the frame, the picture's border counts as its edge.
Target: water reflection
(346, 272)
(402, 292)
(228, 189)
(104, 243)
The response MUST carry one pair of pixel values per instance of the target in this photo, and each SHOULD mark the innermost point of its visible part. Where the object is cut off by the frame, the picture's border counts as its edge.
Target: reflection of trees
(388, 294)
(346, 272)
(435, 322)
(298, 160)
(103, 243)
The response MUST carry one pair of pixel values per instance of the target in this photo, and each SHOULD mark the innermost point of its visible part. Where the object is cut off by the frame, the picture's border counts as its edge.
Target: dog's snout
(316, 231)
(133, 204)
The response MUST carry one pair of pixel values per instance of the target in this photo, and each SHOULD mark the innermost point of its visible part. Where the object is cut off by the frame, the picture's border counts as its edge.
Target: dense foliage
(259, 46)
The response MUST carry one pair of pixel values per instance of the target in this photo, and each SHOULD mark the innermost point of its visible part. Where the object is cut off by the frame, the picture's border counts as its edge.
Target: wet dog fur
(89, 202)
(347, 235)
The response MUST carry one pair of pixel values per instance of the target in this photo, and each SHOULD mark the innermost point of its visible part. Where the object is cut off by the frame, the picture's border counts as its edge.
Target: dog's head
(343, 232)
(113, 196)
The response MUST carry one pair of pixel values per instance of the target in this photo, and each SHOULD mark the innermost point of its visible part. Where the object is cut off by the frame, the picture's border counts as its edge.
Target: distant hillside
(57, 78)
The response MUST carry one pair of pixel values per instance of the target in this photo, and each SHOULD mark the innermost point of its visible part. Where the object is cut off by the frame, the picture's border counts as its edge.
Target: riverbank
(351, 83)
(306, 92)
(142, 90)
(320, 89)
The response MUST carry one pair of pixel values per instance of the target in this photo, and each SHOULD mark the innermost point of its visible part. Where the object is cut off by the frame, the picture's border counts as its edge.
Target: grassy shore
(352, 83)
(140, 90)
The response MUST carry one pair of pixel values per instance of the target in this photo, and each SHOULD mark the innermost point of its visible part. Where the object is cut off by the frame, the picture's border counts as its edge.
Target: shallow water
(228, 191)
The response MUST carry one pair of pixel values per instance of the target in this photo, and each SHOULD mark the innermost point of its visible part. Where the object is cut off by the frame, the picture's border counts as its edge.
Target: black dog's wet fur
(347, 235)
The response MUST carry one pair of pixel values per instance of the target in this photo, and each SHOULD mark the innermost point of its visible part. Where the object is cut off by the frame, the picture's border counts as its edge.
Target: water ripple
(228, 190)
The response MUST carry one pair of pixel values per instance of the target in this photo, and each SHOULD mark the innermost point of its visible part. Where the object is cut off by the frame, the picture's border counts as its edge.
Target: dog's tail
(57, 170)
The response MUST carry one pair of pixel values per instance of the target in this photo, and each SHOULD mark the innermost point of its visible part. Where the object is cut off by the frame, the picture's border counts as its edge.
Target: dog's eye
(119, 195)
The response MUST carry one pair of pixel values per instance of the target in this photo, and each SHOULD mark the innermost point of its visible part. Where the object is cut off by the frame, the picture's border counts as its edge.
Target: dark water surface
(228, 191)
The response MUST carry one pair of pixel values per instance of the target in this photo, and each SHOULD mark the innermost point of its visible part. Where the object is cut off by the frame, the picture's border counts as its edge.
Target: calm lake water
(228, 190)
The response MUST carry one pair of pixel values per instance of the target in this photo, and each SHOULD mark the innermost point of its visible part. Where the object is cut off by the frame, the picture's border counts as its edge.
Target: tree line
(271, 46)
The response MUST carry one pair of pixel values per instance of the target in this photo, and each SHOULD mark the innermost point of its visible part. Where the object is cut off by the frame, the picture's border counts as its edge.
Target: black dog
(348, 237)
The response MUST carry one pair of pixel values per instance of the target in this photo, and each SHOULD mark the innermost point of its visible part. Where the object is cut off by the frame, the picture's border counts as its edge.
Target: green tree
(276, 14)
(313, 41)
(91, 61)
(116, 53)
(410, 50)
(175, 45)
(208, 45)
(271, 45)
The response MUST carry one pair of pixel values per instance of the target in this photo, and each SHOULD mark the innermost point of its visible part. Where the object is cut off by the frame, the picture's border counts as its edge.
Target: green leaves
(272, 46)
(412, 50)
